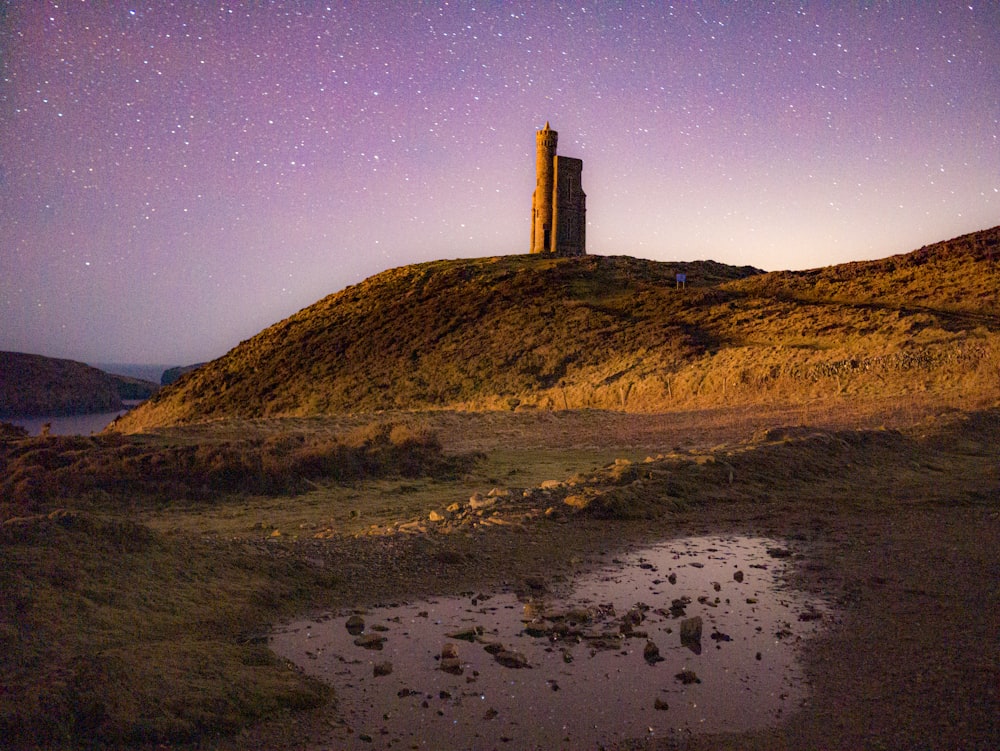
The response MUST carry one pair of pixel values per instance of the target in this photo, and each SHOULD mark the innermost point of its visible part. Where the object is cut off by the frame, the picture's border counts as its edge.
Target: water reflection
(689, 636)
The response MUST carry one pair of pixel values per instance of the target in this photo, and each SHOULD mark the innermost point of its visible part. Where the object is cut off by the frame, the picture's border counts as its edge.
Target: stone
(382, 668)
(738, 576)
(550, 484)
(511, 659)
(449, 651)
(499, 493)
(651, 653)
(370, 641)
(691, 631)
(452, 665)
(477, 501)
(355, 625)
(687, 677)
(467, 634)
(434, 516)
(660, 704)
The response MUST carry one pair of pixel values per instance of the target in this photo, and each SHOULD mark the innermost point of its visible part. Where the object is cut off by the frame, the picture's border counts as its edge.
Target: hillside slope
(613, 333)
(33, 385)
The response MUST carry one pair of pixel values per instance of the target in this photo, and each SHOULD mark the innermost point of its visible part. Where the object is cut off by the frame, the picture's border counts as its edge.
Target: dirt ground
(899, 530)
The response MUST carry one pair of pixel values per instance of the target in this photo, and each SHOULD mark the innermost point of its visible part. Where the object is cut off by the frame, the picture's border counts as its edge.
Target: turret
(542, 228)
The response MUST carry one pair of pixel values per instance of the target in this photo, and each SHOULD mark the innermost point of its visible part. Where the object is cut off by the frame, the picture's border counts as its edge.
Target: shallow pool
(693, 635)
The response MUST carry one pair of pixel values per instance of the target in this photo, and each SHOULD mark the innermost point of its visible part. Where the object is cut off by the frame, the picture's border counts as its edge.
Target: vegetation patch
(112, 468)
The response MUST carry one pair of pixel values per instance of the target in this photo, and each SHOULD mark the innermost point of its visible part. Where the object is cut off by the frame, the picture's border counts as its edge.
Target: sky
(176, 176)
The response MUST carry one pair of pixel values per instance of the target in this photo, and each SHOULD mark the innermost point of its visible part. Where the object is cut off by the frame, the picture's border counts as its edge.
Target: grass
(133, 605)
(612, 333)
(128, 624)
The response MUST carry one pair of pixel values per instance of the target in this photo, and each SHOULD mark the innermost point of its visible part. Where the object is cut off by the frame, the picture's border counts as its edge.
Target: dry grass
(521, 333)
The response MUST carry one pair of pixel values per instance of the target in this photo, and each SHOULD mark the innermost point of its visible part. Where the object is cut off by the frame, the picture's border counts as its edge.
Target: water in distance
(693, 635)
(93, 422)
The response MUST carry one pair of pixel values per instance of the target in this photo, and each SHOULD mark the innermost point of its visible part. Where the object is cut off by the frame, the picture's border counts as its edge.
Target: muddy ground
(899, 529)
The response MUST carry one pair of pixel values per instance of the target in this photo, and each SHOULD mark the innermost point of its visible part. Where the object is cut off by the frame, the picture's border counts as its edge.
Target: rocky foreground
(899, 530)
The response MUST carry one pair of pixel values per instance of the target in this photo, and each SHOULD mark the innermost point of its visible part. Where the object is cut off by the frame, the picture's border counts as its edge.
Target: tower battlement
(558, 205)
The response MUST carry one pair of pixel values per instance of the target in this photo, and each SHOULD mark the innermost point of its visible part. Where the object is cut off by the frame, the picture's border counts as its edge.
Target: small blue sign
(682, 277)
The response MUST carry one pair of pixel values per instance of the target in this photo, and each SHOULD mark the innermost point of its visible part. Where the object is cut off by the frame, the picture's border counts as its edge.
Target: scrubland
(852, 412)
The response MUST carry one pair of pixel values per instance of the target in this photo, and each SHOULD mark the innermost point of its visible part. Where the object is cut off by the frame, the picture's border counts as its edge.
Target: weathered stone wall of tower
(570, 212)
(558, 205)
(541, 202)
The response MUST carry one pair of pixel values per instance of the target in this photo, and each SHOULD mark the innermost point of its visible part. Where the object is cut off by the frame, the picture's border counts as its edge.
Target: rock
(449, 651)
(687, 677)
(511, 659)
(651, 653)
(738, 576)
(716, 586)
(467, 634)
(494, 647)
(382, 668)
(779, 552)
(660, 704)
(499, 493)
(672, 578)
(477, 501)
(677, 606)
(576, 501)
(434, 516)
(719, 636)
(452, 665)
(355, 625)
(536, 628)
(453, 508)
(370, 641)
(550, 484)
(691, 632)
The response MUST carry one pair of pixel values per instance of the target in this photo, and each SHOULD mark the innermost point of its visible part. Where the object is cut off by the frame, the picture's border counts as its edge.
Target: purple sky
(175, 176)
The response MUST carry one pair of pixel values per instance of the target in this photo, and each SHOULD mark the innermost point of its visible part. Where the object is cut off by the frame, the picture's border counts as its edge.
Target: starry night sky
(176, 176)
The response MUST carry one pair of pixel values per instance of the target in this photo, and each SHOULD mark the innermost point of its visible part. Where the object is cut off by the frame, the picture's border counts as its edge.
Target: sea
(87, 424)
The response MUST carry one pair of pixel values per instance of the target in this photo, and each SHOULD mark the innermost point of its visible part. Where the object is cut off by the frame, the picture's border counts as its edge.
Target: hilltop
(34, 385)
(596, 332)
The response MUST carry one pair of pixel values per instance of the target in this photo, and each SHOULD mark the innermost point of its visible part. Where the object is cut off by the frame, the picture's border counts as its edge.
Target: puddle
(611, 655)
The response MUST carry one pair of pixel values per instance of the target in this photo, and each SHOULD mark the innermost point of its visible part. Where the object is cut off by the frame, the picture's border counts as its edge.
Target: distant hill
(530, 332)
(33, 385)
(172, 374)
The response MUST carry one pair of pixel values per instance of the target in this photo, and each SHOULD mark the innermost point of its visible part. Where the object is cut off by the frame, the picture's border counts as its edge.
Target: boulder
(511, 659)
(370, 641)
(651, 653)
(355, 625)
(691, 632)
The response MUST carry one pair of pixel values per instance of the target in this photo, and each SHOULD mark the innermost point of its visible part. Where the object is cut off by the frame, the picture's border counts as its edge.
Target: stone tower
(558, 205)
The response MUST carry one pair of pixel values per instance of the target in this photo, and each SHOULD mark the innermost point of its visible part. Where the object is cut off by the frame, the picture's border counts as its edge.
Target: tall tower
(542, 227)
(558, 205)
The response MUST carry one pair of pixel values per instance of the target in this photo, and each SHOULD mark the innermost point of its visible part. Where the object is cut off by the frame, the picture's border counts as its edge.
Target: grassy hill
(35, 385)
(524, 332)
